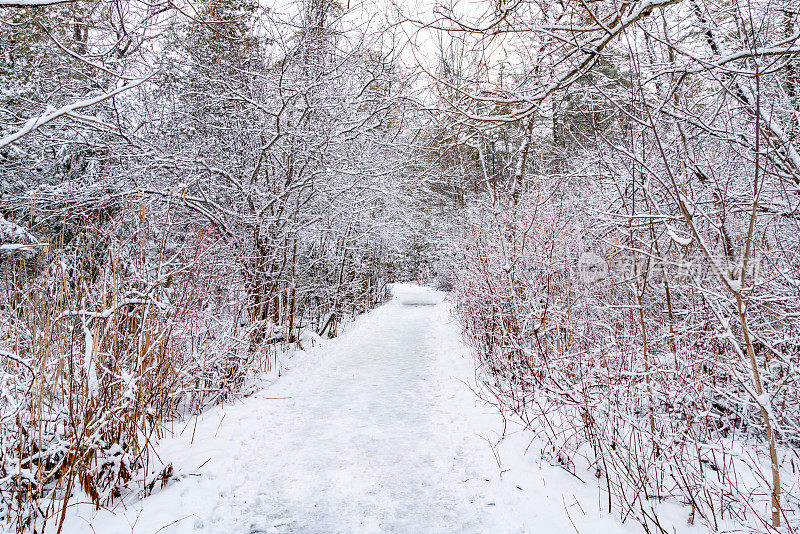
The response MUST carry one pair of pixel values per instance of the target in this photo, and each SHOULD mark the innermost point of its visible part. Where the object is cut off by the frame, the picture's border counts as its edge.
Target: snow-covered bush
(627, 362)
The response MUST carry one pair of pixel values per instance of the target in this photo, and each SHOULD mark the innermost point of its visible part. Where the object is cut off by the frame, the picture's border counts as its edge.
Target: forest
(608, 192)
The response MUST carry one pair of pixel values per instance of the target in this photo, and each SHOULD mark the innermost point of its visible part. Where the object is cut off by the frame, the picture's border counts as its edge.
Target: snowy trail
(381, 433)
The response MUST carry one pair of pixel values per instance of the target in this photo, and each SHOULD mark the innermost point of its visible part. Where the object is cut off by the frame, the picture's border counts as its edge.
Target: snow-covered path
(375, 431)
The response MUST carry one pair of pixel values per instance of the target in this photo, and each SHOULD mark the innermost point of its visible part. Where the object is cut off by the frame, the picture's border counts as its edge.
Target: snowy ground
(375, 431)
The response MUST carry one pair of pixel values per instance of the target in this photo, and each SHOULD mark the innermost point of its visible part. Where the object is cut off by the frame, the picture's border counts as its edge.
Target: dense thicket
(628, 265)
(187, 189)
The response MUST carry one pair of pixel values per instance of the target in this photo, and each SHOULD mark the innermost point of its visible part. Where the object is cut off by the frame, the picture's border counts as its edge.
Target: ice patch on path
(377, 430)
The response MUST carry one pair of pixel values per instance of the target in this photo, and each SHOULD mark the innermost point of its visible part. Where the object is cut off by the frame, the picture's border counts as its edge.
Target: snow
(681, 240)
(377, 430)
(10, 231)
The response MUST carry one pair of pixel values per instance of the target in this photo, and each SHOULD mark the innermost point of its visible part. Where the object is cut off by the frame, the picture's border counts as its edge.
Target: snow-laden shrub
(110, 337)
(625, 363)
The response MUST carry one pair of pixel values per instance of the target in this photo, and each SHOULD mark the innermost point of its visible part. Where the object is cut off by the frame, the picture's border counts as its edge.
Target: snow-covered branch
(35, 122)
